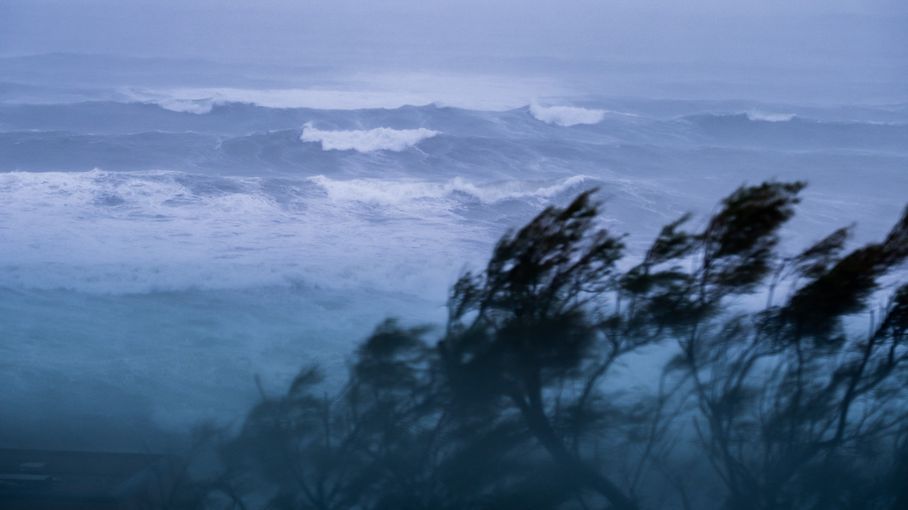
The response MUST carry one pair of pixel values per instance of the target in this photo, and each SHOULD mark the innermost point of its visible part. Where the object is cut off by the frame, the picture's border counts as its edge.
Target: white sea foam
(368, 140)
(566, 115)
(196, 106)
(131, 232)
(397, 193)
(769, 116)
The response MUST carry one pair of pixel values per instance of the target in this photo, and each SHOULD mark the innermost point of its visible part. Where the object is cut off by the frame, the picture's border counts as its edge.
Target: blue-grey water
(159, 248)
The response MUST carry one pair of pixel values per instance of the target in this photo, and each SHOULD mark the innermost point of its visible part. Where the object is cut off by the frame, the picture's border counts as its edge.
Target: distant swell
(187, 99)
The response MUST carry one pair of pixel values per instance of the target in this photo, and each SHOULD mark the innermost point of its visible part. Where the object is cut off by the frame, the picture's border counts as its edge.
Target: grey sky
(653, 29)
(864, 41)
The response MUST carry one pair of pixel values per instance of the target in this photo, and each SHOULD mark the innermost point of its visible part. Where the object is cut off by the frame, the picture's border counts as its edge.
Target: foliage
(525, 402)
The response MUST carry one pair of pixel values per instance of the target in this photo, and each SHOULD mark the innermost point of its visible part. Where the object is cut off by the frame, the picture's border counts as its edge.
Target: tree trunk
(586, 475)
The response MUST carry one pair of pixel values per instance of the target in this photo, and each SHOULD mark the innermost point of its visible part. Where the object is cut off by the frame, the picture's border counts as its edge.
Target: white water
(247, 240)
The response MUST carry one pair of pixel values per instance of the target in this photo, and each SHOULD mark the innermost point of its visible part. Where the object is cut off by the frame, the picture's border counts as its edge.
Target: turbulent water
(161, 249)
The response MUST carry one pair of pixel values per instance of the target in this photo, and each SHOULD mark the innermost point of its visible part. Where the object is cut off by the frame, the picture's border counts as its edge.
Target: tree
(522, 402)
(789, 395)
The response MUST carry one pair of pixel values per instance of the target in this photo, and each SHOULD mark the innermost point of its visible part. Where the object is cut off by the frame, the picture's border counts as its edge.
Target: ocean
(161, 249)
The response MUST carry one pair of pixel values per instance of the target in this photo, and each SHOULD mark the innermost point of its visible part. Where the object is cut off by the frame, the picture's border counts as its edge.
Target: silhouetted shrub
(525, 400)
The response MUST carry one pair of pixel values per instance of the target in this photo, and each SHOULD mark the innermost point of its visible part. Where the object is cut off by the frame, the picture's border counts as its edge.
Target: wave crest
(769, 116)
(392, 193)
(566, 116)
(368, 140)
(134, 232)
(196, 106)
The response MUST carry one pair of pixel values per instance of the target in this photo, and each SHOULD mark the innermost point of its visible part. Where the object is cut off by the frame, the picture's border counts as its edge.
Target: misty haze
(428, 254)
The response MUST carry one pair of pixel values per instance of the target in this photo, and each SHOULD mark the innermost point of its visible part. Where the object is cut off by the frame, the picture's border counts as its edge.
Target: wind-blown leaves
(814, 261)
(740, 238)
(524, 401)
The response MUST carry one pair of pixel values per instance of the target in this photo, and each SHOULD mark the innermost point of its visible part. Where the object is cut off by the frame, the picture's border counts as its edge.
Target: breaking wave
(566, 115)
(769, 116)
(368, 140)
(196, 106)
(134, 232)
(389, 193)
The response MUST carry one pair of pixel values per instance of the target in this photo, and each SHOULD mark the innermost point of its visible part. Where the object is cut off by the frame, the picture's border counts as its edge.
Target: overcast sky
(863, 40)
(609, 29)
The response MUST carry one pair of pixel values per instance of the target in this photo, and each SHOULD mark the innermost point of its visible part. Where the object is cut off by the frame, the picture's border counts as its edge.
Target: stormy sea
(179, 249)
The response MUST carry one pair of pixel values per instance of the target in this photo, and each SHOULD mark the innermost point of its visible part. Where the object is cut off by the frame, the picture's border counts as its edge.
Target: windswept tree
(389, 439)
(797, 402)
(524, 401)
(528, 333)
